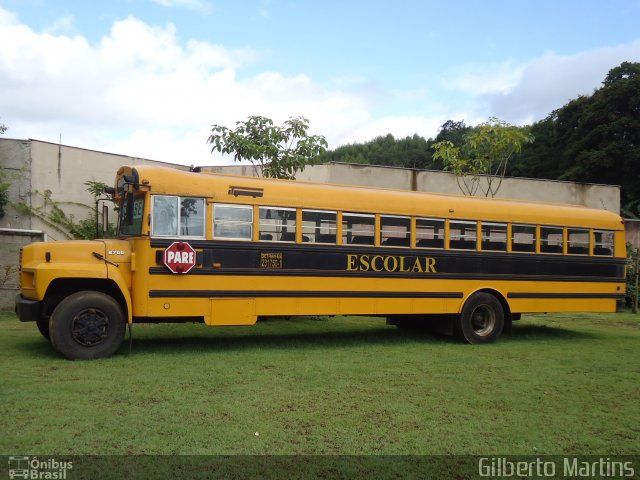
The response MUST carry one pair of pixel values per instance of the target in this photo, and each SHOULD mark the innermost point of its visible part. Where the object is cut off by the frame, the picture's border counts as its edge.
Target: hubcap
(90, 327)
(483, 320)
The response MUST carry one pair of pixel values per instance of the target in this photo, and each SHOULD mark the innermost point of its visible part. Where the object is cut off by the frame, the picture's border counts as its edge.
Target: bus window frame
(562, 230)
(361, 215)
(463, 238)
(154, 221)
(204, 218)
(435, 233)
(273, 207)
(122, 213)
(598, 246)
(382, 240)
(582, 230)
(232, 205)
(311, 210)
(535, 238)
(506, 236)
(179, 198)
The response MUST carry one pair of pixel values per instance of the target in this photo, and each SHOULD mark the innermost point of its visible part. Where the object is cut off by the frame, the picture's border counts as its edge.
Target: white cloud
(63, 24)
(524, 93)
(200, 6)
(141, 91)
(478, 79)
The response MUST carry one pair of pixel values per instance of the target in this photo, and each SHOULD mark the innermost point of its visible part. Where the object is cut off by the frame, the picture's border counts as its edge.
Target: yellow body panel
(373, 280)
(293, 193)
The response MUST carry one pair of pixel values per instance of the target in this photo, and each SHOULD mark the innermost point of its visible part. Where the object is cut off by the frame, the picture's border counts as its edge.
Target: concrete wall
(43, 170)
(15, 161)
(605, 197)
(12, 240)
(632, 230)
(39, 170)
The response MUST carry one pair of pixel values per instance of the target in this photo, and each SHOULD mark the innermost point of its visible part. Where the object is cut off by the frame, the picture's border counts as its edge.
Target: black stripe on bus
(616, 296)
(299, 294)
(243, 248)
(261, 246)
(249, 272)
(317, 260)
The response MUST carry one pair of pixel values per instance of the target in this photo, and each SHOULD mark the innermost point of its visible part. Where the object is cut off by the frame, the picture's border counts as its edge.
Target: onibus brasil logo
(33, 468)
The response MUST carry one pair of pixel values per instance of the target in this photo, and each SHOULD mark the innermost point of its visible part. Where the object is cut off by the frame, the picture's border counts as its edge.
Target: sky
(148, 78)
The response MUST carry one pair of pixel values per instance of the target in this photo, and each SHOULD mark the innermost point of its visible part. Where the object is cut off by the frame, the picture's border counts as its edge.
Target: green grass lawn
(559, 384)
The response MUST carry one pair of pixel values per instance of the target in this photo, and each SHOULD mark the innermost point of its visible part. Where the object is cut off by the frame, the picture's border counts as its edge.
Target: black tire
(87, 325)
(481, 320)
(43, 327)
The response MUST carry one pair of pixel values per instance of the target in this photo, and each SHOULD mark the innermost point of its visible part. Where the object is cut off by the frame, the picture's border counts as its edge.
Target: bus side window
(551, 240)
(164, 219)
(429, 233)
(395, 231)
(232, 222)
(277, 224)
(603, 243)
(319, 226)
(463, 235)
(578, 241)
(358, 229)
(494, 237)
(523, 238)
(192, 213)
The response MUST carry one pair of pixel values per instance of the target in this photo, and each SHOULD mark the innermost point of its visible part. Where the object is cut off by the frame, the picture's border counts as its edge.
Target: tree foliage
(480, 161)
(53, 214)
(4, 182)
(274, 151)
(592, 139)
(408, 152)
(4, 191)
(633, 262)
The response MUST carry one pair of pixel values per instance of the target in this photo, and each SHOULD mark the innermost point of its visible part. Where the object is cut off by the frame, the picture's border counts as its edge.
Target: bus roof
(294, 193)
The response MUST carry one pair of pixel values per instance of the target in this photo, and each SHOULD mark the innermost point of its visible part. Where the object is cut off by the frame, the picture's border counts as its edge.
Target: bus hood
(69, 259)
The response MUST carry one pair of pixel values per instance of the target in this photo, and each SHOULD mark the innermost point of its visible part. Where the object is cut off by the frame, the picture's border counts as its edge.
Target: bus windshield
(134, 225)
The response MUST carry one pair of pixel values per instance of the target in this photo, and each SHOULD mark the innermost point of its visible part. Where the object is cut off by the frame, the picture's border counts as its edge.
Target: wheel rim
(483, 320)
(90, 327)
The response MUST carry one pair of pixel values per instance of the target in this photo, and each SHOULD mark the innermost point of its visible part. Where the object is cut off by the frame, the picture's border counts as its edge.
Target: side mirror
(105, 219)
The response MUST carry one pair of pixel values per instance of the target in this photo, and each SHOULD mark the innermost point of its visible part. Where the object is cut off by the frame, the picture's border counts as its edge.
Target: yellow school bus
(226, 250)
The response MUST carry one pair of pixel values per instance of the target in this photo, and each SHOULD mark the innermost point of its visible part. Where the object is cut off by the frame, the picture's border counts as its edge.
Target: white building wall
(42, 170)
(606, 197)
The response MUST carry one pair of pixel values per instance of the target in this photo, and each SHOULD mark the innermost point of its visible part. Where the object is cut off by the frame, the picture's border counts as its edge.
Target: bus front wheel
(87, 325)
(43, 327)
(481, 320)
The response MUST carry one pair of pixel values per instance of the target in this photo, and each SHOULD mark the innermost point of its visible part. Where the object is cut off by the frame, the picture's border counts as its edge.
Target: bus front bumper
(27, 310)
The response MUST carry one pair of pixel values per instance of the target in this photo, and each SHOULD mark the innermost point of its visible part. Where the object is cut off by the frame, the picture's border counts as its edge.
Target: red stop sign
(179, 257)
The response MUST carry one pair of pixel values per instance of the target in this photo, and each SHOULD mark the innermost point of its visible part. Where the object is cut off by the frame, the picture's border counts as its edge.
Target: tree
(4, 182)
(625, 71)
(484, 154)
(593, 139)
(408, 152)
(274, 151)
(4, 191)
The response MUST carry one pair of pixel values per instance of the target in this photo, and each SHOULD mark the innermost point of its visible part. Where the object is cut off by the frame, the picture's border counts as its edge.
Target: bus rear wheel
(481, 320)
(87, 325)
